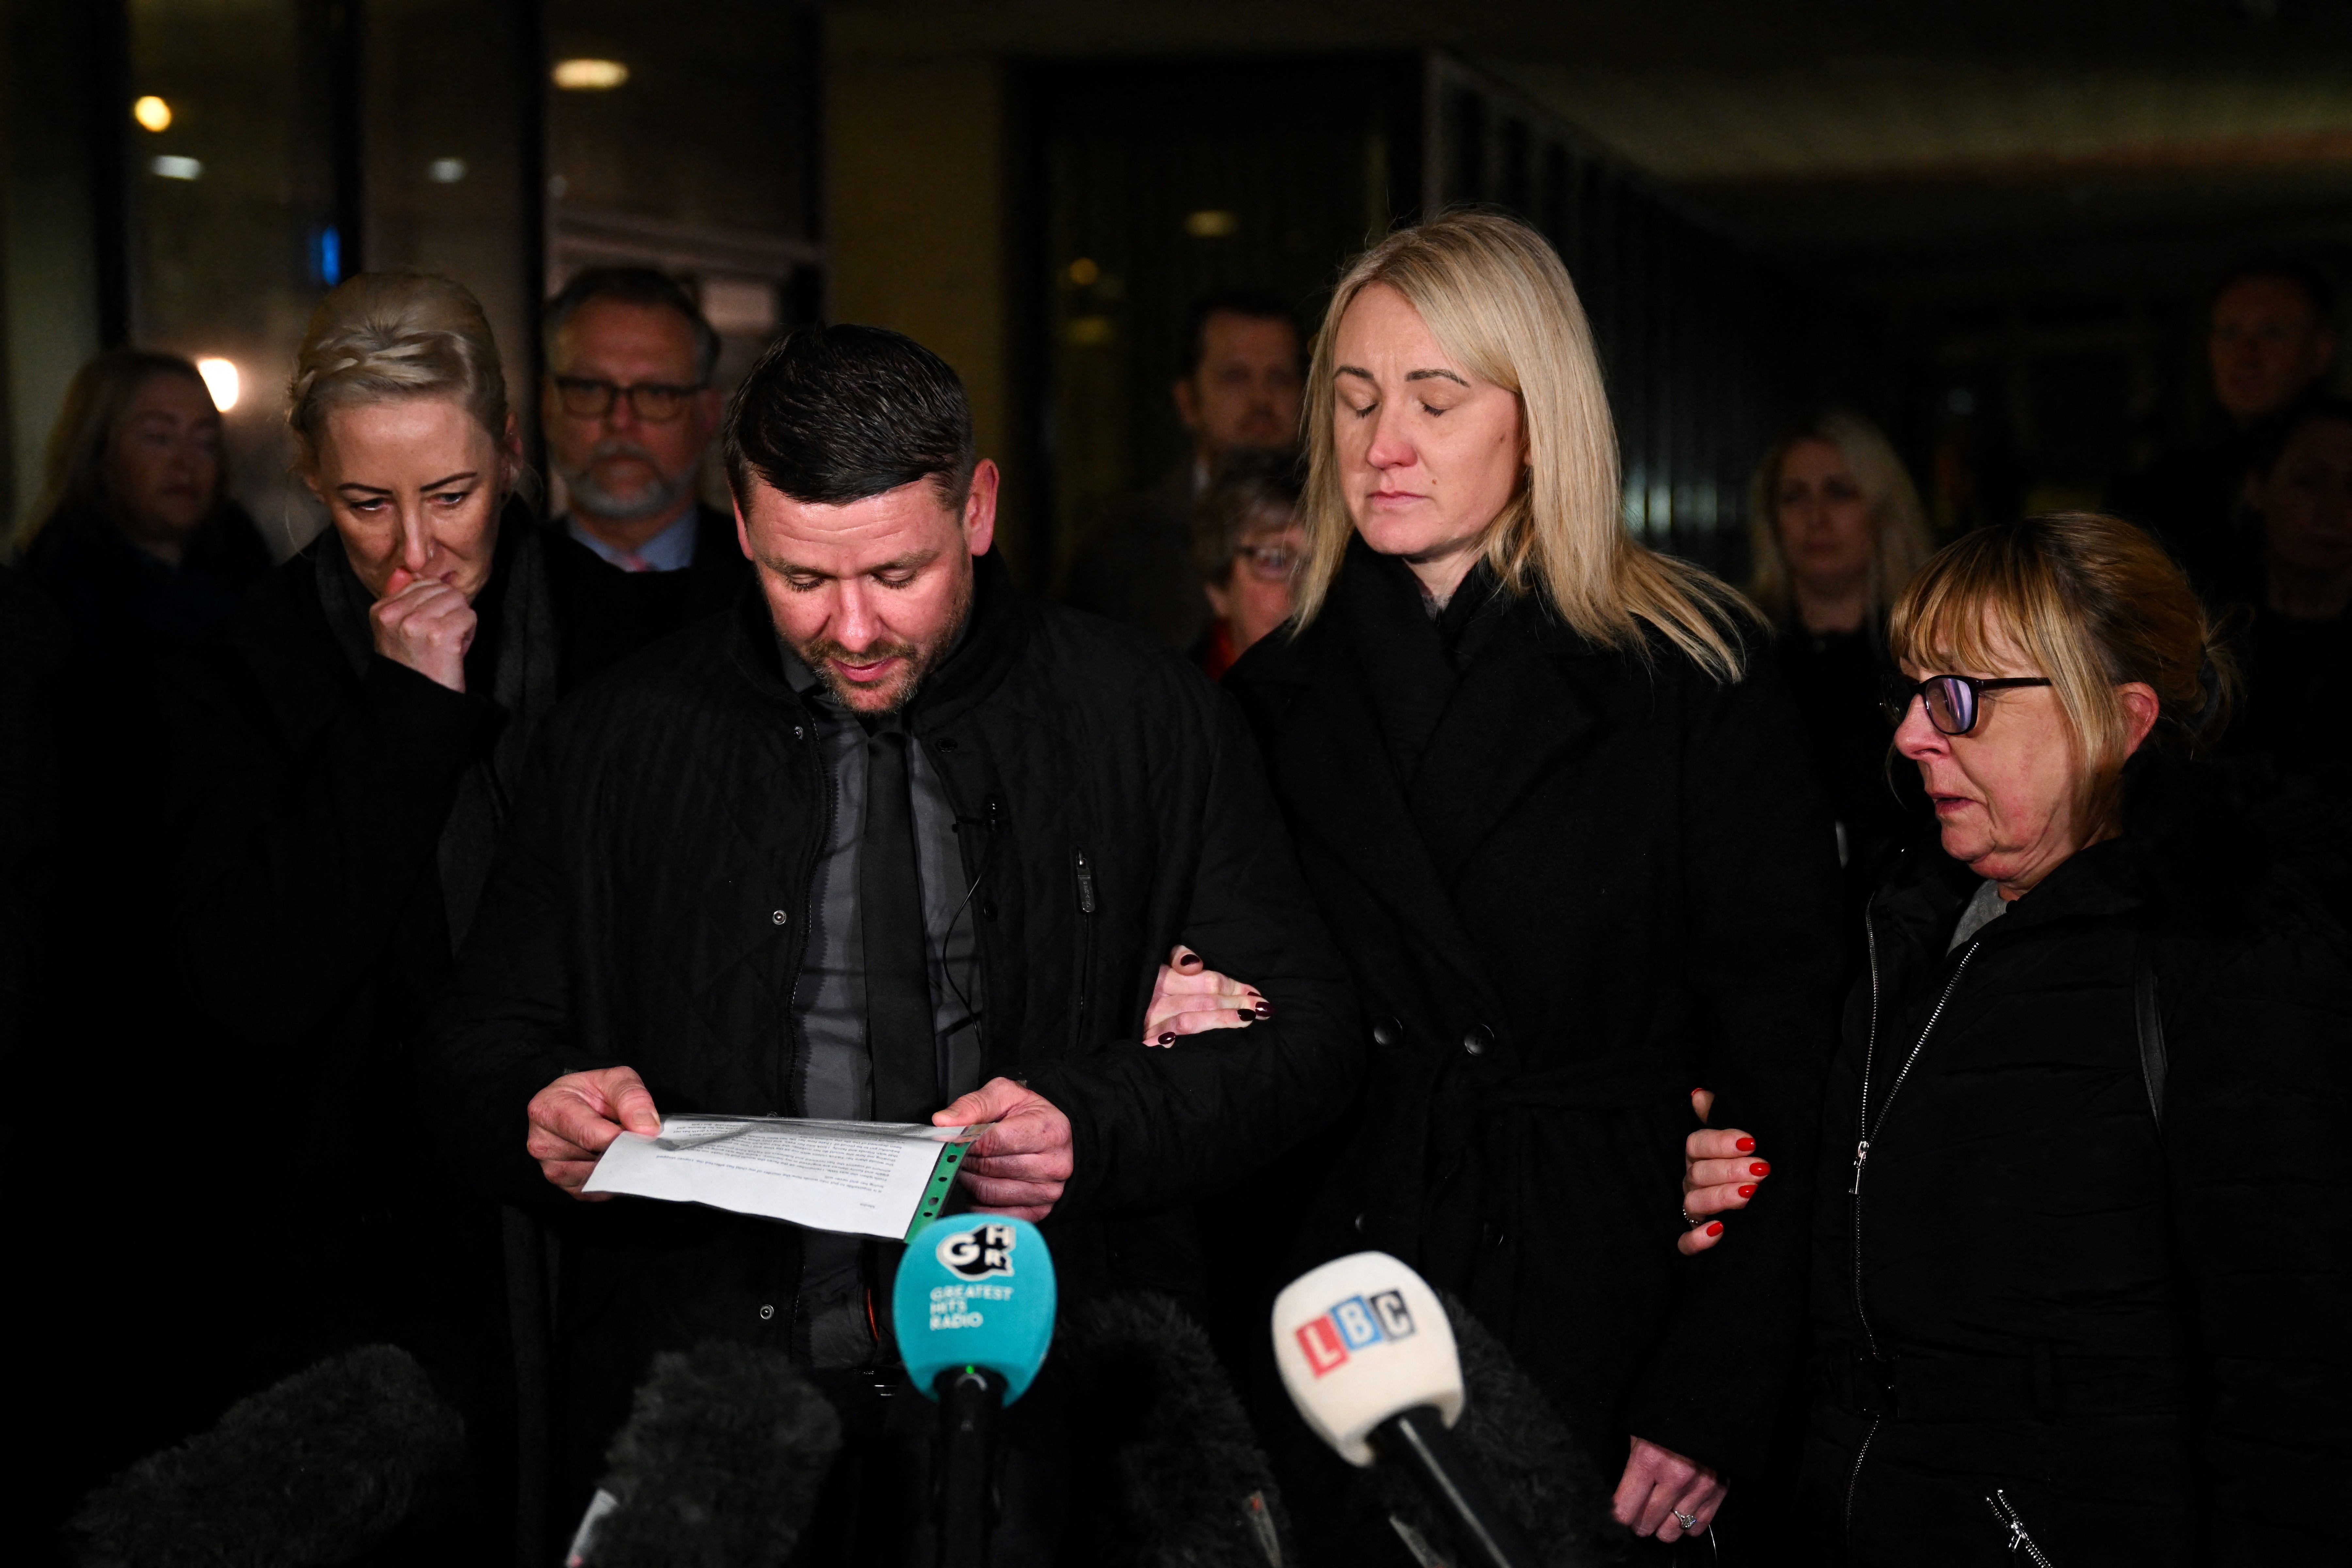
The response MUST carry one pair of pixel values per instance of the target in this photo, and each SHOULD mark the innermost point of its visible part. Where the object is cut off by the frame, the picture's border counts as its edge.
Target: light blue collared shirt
(671, 549)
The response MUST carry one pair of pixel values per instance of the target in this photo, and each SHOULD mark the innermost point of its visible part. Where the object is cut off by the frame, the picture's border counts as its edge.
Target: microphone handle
(1417, 1439)
(971, 1402)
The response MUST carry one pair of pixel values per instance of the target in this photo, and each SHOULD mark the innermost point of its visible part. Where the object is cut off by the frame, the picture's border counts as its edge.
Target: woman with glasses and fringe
(2081, 1270)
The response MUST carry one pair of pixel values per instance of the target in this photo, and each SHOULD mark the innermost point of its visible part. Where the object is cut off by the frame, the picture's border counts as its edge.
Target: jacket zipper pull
(1861, 1153)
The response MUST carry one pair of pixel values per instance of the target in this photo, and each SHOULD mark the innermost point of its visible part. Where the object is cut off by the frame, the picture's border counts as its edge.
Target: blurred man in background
(629, 410)
(2271, 344)
(1240, 392)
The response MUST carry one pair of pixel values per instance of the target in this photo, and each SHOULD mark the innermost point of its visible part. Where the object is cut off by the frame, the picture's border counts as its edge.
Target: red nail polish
(1716, 1228)
(1759, 1168)
(1747, 1192)
(1746, 1145)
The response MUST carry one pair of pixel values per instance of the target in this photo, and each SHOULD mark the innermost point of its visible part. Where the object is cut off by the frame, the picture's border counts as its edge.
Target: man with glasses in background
(628, 411)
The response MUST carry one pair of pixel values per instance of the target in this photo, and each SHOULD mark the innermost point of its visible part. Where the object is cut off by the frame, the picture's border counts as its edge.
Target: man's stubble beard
(921, 661)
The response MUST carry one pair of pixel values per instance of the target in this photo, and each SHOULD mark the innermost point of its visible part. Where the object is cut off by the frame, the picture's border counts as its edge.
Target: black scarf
(515, 648)
(1414, 660)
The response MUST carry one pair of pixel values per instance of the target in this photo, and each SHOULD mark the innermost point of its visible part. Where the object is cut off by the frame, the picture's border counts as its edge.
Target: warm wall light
(590, 76)
(172, 167)
(1211, 223)
(220, 379)
(152, 112)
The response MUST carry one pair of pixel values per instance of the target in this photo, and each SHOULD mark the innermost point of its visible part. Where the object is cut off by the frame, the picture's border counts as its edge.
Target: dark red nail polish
(1760, 1168)
(1168, 1039)
(1747, 1192)
(1716, 1228)
(1746, 1145)
(1263, 1009)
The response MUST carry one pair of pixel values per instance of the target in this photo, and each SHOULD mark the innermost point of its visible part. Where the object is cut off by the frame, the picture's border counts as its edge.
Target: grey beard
(655, 499)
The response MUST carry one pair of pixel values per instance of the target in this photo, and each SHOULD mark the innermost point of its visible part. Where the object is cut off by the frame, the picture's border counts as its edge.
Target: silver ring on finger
(1688, 1521)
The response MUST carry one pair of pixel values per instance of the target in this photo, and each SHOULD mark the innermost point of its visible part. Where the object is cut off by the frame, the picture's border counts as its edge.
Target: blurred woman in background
(2081, 1273)
(1836, 531)
(2300, 641)
(134, 536)
(1558, 814)
(1247, 541)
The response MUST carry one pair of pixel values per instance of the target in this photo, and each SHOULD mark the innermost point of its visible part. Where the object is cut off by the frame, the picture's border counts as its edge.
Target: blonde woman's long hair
(1898, 523)
(1494, 294)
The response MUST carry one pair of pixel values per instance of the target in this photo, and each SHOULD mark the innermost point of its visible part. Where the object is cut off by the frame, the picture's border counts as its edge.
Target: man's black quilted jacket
(651, 906)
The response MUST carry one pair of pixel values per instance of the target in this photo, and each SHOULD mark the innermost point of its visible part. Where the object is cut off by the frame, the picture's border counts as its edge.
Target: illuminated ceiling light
(590, 76)
(220, 379)
(152, 112)
(1212, 222)
(172, 167)
(1083, 271)
(445, 171)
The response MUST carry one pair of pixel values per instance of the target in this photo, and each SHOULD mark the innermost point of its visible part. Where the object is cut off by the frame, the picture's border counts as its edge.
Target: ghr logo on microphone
(977, 1253)
(1355, 1324)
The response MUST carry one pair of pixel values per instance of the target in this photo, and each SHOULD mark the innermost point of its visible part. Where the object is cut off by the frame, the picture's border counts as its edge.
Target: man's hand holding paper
(574, 1118)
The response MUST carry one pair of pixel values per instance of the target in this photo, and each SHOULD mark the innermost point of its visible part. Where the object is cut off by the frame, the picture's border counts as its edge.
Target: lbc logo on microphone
(1354, 1324)
(977, 1253)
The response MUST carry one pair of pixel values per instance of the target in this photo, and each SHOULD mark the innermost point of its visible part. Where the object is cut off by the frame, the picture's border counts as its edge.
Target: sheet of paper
(864, 1177)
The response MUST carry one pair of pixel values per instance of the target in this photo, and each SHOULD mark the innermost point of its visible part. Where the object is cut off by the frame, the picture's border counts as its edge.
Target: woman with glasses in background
(1247, 541)
(2080, 1266)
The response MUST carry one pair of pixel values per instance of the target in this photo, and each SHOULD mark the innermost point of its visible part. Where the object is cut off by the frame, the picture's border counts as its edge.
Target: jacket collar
(2186, 856)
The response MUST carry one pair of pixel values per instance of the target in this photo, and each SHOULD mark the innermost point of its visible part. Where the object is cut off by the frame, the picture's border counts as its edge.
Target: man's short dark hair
(834, 414)
(2303, 275)
(631, 286)
(1256, 304)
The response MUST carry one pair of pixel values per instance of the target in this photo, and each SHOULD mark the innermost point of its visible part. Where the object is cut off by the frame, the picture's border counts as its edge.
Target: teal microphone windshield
(974, 1289)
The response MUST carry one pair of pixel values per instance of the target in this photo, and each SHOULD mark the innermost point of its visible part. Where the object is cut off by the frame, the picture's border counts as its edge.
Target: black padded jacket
(2131, 1331)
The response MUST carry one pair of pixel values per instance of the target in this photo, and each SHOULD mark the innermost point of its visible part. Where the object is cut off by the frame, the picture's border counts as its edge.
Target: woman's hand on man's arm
(1721, 1170)
(1189, 997)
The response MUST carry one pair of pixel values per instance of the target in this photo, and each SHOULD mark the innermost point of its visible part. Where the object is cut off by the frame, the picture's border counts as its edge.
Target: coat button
(799, 733)
(988, 909)
(779, 917)
(1475, 1039)
(1387, 1032)
(766, 1312)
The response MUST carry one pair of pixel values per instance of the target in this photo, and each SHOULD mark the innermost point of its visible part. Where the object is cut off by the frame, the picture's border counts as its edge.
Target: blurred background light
(172, 167)
(1212, 222)
(221, 380)
(152, 112)
(590, 76)
(328, 254)
(445, 171)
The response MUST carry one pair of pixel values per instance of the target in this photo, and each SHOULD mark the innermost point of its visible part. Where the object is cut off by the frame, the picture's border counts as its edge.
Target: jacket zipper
(1862, 1155)
(1086, 870)
(2019, 1538)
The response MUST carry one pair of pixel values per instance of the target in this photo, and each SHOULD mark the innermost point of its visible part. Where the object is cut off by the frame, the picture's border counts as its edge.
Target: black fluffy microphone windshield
(1166, 1471)
(319, 1468)
(719, 1465)
(1539, 1472)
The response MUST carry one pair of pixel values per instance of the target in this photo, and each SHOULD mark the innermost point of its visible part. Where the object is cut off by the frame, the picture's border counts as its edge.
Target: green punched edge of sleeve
(936, 1194)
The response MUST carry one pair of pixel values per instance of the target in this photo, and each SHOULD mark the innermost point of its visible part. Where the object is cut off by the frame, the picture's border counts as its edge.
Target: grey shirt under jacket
(834, 1066)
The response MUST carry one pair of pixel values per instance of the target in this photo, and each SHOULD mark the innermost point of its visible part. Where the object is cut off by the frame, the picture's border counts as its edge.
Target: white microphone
(1368, 1358)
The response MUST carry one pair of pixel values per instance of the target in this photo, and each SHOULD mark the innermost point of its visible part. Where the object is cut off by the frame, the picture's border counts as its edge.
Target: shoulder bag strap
(2150, 1020)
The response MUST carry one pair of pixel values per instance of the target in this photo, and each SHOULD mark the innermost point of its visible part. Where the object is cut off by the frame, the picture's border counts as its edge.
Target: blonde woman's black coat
(1571, 883)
